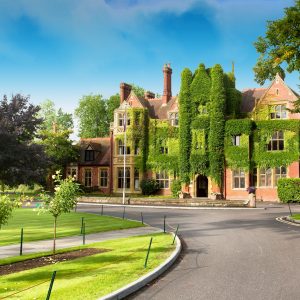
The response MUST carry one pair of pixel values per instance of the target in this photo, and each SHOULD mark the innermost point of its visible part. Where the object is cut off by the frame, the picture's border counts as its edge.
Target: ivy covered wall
(163, 146)
(262, 135)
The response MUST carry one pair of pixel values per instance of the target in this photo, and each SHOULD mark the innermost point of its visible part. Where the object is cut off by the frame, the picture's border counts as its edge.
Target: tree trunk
(54, 237)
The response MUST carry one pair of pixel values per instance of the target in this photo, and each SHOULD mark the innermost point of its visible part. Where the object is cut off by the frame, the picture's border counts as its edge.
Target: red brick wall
(234, 194)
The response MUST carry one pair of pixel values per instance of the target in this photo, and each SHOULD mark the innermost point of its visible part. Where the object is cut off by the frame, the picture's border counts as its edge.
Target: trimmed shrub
(149, 186)
(176, 187)
(288, 189)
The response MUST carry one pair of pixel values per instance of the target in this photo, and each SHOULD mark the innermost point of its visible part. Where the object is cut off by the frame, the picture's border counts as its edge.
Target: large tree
(53, 117)
(21, 160)
(54, 135)
(280, 48)
(92, 117)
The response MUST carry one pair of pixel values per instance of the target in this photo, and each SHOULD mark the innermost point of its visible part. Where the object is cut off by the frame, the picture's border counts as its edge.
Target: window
(136, 148)
(236, 140)
(277, 91)
(265, 177)
(88, 177)
(121, 178)
(278, 112)
(121, 119)
(174, 119)
(121, 148)
(163, 179)
(164, 150)
(136, 179)
(89, 155)
(238, 179)
(103, 175)
(277, 141)
(280, 172)
(72, 172)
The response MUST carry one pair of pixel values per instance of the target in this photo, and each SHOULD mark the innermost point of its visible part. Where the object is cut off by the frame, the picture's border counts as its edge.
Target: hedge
(288, 189)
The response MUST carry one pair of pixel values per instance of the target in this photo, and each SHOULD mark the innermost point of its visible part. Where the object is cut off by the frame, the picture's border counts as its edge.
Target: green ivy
(162, 134)
(185, 125)
(262, 135)
(200, 89)
(217, 125)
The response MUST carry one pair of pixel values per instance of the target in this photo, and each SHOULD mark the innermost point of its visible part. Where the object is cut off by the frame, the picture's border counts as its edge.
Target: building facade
(260, 141)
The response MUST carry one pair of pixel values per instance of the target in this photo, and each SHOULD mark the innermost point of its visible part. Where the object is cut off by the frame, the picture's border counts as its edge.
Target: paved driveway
(229, 254)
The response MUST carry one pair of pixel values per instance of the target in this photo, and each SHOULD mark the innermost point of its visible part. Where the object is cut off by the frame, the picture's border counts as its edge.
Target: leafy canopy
(280, 48)
(21, 160)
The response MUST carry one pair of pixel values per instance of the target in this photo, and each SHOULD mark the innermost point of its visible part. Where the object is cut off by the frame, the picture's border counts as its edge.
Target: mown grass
(93, 276)
(296, 216)
(40, 226)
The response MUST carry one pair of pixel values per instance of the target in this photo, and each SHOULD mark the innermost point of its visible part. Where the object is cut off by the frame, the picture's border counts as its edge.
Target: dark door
(202, 186)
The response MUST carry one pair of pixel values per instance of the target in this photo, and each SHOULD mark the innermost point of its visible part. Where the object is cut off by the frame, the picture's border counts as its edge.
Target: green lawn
(296, 216)
(40, 226)
(94, 276)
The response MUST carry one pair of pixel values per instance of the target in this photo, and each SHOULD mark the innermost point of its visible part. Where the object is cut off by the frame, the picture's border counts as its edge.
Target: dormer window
(278, 112)
(174, 118)
(89, 154)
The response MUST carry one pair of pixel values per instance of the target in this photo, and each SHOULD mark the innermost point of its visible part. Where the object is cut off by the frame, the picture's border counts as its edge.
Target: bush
(149, 186)
(288, 189)
(176, 187)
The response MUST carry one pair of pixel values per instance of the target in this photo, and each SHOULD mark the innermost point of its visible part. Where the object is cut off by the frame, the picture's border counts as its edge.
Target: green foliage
(65, 196)
(21, 159)
(200, 89)
(149, 186)
(199, 163)
(92, 117)
(288, 189)
(52, 117)
(217, 125)
(111, 104)
(280, 46)
(163, 135)
(175, 187)
(139, 91)
(6, 209)
(63, 201)
(185, 115)
(262, 135)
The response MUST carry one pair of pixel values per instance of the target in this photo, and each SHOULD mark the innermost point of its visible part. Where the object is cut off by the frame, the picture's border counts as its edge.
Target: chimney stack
(125, 90)
(167, 84)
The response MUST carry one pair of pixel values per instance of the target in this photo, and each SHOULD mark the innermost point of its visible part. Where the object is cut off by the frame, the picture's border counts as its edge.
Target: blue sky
(64, 49)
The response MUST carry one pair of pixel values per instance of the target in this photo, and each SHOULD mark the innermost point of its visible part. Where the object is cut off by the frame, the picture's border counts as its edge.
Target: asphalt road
(228, 254)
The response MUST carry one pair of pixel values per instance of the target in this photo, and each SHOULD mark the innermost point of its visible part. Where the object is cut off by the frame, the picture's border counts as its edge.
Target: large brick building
(271, 145)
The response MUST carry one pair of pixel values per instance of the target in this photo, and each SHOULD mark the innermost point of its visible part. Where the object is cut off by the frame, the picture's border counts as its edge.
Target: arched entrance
(202, 186)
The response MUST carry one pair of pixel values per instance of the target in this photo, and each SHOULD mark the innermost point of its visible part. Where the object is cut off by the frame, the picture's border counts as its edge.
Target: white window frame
(85, 177)
(241, 176)
(163, 179)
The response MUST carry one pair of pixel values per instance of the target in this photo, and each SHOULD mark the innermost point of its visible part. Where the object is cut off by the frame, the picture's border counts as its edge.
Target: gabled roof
(102, 149)
(253, 97)
(250, 97)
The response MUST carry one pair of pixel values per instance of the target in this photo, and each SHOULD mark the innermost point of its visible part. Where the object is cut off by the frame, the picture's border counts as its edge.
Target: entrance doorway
(202, 186)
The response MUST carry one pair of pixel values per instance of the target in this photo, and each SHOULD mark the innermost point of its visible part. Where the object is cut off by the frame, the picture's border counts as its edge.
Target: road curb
(173, 207)
(147, 278)
(285, 220)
